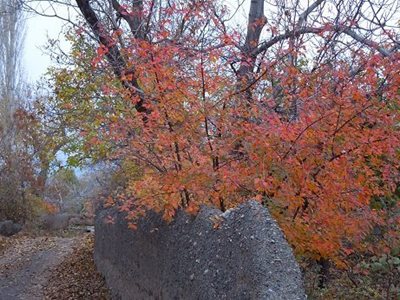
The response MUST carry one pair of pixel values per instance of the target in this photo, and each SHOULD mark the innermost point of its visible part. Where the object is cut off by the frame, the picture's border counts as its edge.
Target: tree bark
(114, 55)
(255, 25)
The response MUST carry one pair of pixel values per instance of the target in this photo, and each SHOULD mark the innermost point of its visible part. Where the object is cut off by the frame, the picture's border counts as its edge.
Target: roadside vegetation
(168, 105)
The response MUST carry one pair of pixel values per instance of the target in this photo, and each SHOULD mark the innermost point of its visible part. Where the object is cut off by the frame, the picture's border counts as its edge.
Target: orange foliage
(50, 208)
(316, 173)
(316, 152)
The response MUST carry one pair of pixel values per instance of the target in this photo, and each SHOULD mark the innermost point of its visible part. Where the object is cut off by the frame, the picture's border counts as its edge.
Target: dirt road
(25, 267)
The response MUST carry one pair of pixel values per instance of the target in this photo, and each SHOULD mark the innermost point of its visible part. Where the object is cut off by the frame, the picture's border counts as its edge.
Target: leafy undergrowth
(377, 284)
(76, 277)
(6, 242)
(33, 232)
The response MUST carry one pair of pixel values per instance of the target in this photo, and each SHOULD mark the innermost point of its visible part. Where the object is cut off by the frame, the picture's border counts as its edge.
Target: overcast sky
(38, 30)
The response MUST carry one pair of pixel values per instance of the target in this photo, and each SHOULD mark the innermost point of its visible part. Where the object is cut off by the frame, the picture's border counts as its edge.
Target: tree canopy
(298, 109)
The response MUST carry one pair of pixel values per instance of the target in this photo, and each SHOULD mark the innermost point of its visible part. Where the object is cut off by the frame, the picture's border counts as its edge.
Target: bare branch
(309, 10)
(133, 19)
(113, 55)
(317, 30)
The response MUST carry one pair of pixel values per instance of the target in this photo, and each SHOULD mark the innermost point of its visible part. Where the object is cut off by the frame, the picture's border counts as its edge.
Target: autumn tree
(28, 142)
(298, 110)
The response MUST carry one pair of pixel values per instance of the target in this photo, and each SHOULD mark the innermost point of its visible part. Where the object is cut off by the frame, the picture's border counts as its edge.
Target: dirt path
(26, 266)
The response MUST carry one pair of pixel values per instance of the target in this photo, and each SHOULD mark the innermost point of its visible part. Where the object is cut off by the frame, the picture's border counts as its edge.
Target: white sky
(38, 31)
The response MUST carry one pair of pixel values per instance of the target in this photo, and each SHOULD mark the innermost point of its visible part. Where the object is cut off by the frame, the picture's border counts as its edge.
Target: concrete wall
(246, 257)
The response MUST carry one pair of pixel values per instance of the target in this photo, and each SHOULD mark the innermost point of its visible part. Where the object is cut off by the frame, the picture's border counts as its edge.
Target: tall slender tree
(12, 150)
(12, 35)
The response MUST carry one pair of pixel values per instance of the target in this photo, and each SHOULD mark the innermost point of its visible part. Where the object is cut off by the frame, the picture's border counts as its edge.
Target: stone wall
(245, 257)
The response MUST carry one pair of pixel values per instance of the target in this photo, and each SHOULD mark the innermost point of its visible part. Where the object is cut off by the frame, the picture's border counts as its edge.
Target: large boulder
(239, 254)
(81, 221)
(9, 228)
(56, 221)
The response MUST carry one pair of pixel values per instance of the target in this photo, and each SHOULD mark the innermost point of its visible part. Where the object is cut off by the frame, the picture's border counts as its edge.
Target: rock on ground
(9, 228)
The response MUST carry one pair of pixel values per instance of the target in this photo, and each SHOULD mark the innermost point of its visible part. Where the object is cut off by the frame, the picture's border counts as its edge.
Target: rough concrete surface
(245, 257)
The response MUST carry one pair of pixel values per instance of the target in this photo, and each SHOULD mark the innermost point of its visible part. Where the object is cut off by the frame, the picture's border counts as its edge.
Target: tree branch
(317, 30)
(113, 55)
(134, 20)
